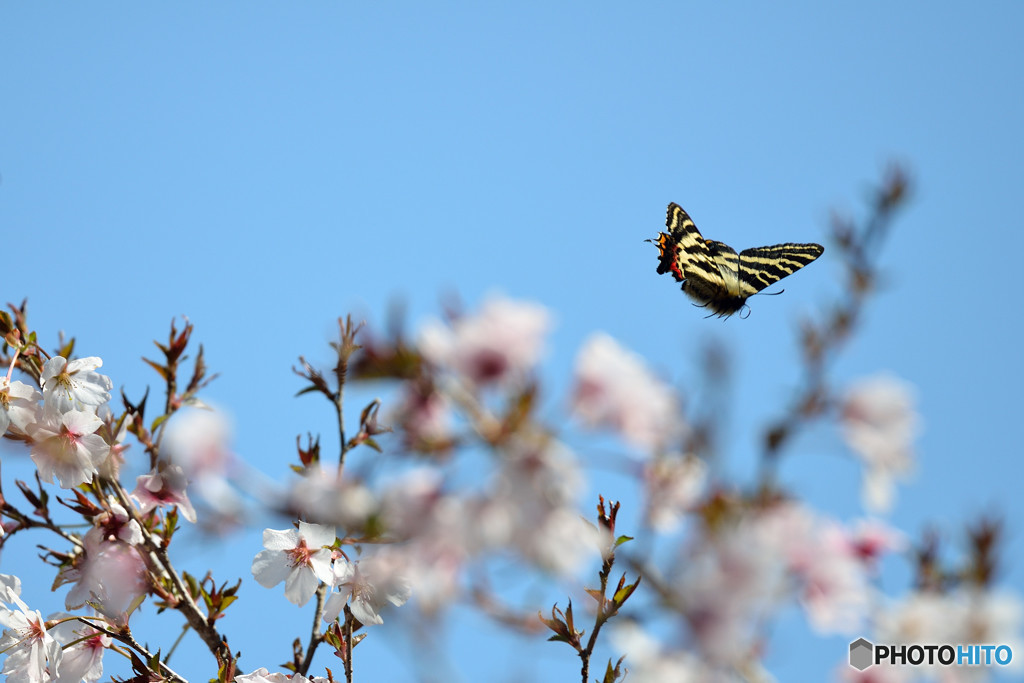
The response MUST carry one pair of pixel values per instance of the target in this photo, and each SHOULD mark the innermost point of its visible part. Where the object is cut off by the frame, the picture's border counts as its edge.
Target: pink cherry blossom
(531, 506)
(831, 578)
(114, 436)
(109, 574)
(425, 416)
(115, 524)
(871, 538)
(442, 532)
(615, 389)
(164, 487)
(499, 344)
(674, 485)
(66, 446)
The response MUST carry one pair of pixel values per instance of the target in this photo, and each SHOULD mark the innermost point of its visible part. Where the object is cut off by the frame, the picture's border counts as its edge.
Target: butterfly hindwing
(713, 274)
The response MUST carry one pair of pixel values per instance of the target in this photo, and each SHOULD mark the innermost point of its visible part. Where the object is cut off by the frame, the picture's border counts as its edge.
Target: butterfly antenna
(772, 293)
(746, 309)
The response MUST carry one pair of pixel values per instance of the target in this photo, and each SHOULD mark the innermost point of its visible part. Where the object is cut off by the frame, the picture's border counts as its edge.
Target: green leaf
(623, 593)
(157, 422)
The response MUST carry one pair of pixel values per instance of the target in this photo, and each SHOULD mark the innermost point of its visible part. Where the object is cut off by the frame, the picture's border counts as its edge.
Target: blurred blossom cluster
(880, 424)
(465, 469)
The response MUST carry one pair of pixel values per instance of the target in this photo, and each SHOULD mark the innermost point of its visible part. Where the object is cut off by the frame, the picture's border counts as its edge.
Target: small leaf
(613, 674)
(161, 370)
(157, 422)
(623, 593)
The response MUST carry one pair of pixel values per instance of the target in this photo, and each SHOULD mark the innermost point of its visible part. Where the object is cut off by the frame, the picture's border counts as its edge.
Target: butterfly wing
(763, 266)
(727, 261)
(684, 252)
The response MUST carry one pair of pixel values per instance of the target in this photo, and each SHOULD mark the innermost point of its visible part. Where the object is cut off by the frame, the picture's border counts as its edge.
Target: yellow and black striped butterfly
(713, 274)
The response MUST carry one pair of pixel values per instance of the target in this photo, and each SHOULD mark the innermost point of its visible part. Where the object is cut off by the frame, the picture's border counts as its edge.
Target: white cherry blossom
(33, 654)
(880, 424)
(19, 404)
(297, 557)
(367, 585)
(74, 385)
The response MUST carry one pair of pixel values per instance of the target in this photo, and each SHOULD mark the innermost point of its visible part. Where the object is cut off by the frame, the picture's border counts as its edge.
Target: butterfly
(713, 274)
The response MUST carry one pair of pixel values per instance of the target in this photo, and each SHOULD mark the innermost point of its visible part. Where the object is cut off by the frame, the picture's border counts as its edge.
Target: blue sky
(266, 167)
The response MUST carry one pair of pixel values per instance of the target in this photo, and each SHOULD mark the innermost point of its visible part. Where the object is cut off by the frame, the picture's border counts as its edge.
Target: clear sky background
(266, 167)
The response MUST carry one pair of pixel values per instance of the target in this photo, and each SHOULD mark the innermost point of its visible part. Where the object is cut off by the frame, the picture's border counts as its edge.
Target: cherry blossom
(531, 507)
(831, 577)
(114, 436)
(322, 496)
(500, 343)
(880, 424)
(164, 487)
(19, 404)
(262, 675)
(367, 585)
(73, 385)
(424, 415)
(66, 446)
(408, 502)
(648, 661)
(964, 615)
(872, 537)
(674, 485)
(33, 654)
(729, 581)
(615, 389)
(443, 532)
(109, 574)
(299, 558)
(197, 439)
(9, 584)
(83, 648)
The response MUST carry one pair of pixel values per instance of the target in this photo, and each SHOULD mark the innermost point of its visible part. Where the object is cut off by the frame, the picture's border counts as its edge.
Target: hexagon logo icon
(860, 654)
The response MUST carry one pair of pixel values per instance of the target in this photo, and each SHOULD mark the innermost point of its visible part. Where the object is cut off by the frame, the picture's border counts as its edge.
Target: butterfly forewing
(684, 252)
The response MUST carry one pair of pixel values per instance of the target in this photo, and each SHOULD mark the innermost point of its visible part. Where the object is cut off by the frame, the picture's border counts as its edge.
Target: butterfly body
(713, 274)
